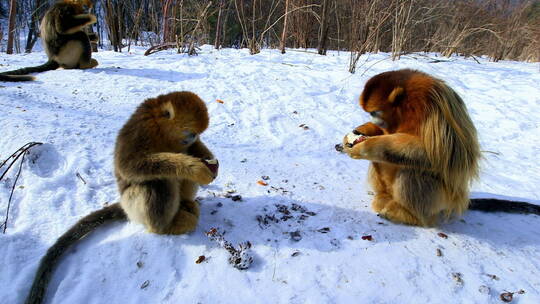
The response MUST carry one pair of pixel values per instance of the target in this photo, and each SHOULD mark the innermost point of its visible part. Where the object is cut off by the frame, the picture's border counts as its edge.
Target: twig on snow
(79, 176)
(487, 151)
(240, 258)
(473, 57)
(21, 152)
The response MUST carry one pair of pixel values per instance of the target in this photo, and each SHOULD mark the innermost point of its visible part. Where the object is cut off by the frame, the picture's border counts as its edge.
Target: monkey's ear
(168, 110)
(396, 94)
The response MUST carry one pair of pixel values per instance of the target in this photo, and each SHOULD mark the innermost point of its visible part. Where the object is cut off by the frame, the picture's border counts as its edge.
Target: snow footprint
(44, 160)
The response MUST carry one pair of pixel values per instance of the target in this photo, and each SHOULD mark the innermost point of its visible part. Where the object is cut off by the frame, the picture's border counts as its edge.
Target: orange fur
(369, 129)
(422, 145)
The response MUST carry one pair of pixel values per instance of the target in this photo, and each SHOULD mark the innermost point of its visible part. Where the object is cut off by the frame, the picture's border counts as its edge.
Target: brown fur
(157, 175)
(64, 38)
(66, 43)
(158, 166)
(87, 3)
(424, 148)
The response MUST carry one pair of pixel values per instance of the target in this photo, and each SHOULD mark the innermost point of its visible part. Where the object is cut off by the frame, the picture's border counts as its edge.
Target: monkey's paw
(351, 145)
(183, 222)
(191, 207)
(201, 173)
(394, 212)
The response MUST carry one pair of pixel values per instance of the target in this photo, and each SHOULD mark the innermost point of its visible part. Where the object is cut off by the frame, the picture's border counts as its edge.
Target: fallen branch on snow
(21, 152)
(160, 47)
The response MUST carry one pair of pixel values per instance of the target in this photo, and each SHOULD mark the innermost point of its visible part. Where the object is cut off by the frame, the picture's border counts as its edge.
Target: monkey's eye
(187, 133)
(189, 137)
(376, 113)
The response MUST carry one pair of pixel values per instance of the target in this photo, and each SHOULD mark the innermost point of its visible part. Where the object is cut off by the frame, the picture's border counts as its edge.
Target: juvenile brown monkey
(423, 149)
(159, 162)
(158, 167)
(66, 43)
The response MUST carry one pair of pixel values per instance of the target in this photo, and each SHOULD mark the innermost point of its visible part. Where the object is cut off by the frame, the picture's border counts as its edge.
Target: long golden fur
(422, 145)
(159, 162)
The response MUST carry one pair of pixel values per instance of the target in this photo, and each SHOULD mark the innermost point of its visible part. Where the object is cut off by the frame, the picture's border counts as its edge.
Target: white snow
(256, 133)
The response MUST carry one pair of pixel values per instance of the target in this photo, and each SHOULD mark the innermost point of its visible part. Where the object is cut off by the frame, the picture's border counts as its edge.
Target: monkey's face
(183, 131)
(383, 105)
(183, 119)
(188, 137)
(88, 5)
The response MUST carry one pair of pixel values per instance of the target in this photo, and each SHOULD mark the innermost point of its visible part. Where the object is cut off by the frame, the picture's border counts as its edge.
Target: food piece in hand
(212, 164)
(354, 138)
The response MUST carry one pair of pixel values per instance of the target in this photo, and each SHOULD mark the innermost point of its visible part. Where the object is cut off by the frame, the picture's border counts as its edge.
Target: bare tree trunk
(31, 38)
(113, 26)
(401, 28)
(99, 27)
(167, 37)
(119, 23)
(32, 29)
(284, 33)
(11, 26)
(202, 18)
(254, 47)
(180, 39)
(218, 25)
(225, 23)
(323, 32)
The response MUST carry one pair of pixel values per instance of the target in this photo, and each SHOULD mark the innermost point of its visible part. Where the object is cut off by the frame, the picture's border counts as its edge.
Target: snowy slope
(256, 133)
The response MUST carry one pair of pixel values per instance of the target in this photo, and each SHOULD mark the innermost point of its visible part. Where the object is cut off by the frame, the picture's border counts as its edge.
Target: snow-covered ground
(259, 131)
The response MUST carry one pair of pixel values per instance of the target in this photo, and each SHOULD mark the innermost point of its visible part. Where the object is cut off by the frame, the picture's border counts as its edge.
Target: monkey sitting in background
(159, 163)
(423, 149)
(66, 43)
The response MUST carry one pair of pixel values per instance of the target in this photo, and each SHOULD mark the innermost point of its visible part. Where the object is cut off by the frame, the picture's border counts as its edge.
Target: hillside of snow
(280, 119)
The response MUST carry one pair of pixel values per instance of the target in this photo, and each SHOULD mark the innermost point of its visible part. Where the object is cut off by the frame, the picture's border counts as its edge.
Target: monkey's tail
(497, 205)
(13, 75)
(48, 263)
(16, 78)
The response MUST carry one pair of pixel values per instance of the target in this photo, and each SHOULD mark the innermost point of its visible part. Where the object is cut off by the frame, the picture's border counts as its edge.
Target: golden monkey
(66, 43)
(158, 181)
(159, 162)
(423, 149)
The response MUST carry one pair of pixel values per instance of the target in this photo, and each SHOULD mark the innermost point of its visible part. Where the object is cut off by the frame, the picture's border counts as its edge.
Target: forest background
(498, 29)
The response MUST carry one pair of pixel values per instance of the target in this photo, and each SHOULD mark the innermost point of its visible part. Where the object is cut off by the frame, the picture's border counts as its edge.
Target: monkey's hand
(91, 18)
(200, 173)
(358, 135)
(356, 149)
(399, 149)
(165, 165)
(199, 149)
(68, 25)
(368, 129)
